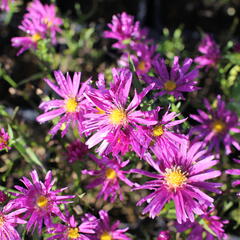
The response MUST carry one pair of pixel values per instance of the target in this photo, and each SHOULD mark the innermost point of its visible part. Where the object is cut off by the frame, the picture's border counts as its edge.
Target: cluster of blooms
(38, 23)
(4, 140)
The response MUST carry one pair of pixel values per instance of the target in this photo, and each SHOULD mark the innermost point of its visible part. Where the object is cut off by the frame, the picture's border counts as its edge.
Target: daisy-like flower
(71, 108)
(109, 177)
(9, 219)
(111, 115)
(209, 224)
(4, 4)
(161, 137)
(215, 126)
(47, 16)
(106, 231)
(40, 201)
(4, 139)
(211, 52)
(125, 30)
(76, 151)
(179, 80)
(180, 178)
(73, 230)
(237, 173)
(164, 235)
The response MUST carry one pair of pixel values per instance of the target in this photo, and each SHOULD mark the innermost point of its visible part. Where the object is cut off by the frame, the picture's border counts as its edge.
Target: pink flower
(4, 140)
(4, 5)
(76, 151)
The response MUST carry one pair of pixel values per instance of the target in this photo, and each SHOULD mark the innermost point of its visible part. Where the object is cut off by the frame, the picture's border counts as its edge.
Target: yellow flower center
(71, 105)
(2, 140)
(141, 66)
(218, 126)
(158, 131)
(175, 178)
(170, 85)
(48, 22)
(42, 201)
(73, 233)
(99, 110)
(118, 116)
(36, 37)
(110, 173)
(106, 236)
(2, 220)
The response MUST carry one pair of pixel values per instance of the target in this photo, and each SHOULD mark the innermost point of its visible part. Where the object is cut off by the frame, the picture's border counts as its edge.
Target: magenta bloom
(47, 16)
(211, 52)
(8, 221)
(215, 126)
(4, 139)
(40, 200)
(4, 5)
(3, 197)
(124, 30)
(76, 151)
(179, 80)
(110, 232)
(235, 172)
(71, 107)
(180, 178)
(208, 221)
(112, 115)
(73, 230)
(164, 235)
(109, 177)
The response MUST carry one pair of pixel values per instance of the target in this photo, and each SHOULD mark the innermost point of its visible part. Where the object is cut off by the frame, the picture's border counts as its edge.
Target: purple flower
(111, 114)
(73, 230)
(4, 5)
(110, 232)
(8, 221)
(216, 126)
(180, 178)
(209, 224)
(235, 172)
(3, 197)
(4, 140)
(40, 200)
(76, 151)
(211, 52)
(179, 80)
(124, 30)
(71, 107)
(164, 235)
(109, 177)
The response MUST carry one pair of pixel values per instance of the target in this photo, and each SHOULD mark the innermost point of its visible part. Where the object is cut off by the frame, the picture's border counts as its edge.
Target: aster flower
(47, 16)
(209, 224)
(71, 108)
(110, 232)
(124, 30)
(234, 172)
(164, 235)
(215, 126)
(9, 219)
(76, 151)
(179, 80)
(4, 139)
(181, 178)
(4, 5)
(73, 230)
(40, 200)
(211, 52)
(109, 177)
(111, 115)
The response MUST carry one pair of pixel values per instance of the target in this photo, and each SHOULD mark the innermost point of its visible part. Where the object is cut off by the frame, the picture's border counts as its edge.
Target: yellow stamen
(71, 105)
(73, 233)
(218, 126)
(118, 116)
(100, 111)
(175, 178)
(63, 127)
(141, 66)
(48, 22)
(2, 220)
(169, 85)
(36, 37)
(106, 236)
(110, 173)
(3, 141)
(157, 131)
(42, 201)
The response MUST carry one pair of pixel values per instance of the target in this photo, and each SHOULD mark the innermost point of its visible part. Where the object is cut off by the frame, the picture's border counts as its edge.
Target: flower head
(216, 125)
(4, 5)
(180, 178)
(40, 200)
(71, 108)
(76, 151)
(109, 177)
(124, 30)
(3, 197)
(164, 235)
(179, 80)
(211, 52)
(4, 140)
